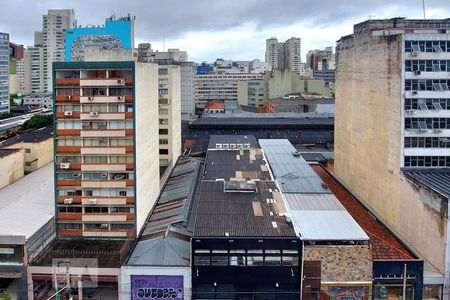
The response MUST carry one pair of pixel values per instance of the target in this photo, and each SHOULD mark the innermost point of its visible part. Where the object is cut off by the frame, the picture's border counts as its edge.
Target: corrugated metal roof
(320, 225)
(293, 173)
(161, 242)
(436, 179)
(312, 202)
(27, 204)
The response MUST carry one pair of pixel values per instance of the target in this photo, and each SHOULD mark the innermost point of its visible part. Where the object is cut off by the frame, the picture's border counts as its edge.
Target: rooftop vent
(296, 154)
(240, 187)
(288, 217)
(324, 185)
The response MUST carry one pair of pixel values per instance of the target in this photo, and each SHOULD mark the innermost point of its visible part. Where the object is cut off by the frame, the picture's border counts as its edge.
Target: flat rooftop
(436, 179)
(165, 240)
(238, 197)
(30, 136)
(27, 204)
(6, 152)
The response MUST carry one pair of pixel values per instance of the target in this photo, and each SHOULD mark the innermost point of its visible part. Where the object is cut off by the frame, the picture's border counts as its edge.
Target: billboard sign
(156, 287)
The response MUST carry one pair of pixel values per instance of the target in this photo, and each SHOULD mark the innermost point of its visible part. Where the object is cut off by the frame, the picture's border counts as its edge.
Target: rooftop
(6, 152)
(30, 136)
(238, 197)
(107, 253)
(166, 235)
(215, 104)
(31, 198)
(436, 179)
(385, 244)
(317, 214)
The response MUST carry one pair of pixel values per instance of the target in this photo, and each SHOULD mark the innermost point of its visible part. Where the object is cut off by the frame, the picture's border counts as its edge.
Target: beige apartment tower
(392, 131)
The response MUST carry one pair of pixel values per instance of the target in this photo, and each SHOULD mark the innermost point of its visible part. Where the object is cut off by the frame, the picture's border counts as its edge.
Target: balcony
(68, 98)
(103, 167)
(106, 81)
(104, 233)
(67, 81)
(68, 115)
(102, 150)
(104, 218)
(106, 99)
(103, 133)
(105, 200)
(102, 116)
(104, 184)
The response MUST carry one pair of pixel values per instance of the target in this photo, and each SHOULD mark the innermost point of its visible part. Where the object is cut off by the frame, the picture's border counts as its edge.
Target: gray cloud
(173, 19)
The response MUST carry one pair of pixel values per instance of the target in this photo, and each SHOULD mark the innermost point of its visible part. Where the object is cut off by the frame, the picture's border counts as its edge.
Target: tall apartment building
(219, 86)
(107, 177)
(4, 72)
(321, 60)
(34, 70)
(392, 130)
(54, 24)
(169, 79)
(117, 33)
(285, 55)
(16, 69)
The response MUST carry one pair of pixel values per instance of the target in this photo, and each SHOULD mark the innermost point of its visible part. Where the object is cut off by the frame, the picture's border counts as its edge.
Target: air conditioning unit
(121, 81)
(246, 146)
(218, 146)
(104, 226)
(93, 114)
(92, 201)
(232, 146)
(410, 111)
(69, 97)
(104, 175)
(423, 130)
(90, 98)
(414, 92)
(68, 201)
(437, 130)
(240, 146)
(67, 113)
(417, 72)
(119, 97)
(64, 165)
(415, 53)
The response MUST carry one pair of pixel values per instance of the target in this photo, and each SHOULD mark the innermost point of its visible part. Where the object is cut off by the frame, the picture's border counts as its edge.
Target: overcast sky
(230, 29)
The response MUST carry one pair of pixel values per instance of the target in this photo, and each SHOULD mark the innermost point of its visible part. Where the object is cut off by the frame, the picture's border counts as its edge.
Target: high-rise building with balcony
(54, 24)
(34, 70)
(4, 72)
(392, 130)
(106, 171)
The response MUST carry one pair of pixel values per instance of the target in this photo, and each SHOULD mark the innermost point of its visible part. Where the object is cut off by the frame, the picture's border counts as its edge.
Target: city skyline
(245, 26)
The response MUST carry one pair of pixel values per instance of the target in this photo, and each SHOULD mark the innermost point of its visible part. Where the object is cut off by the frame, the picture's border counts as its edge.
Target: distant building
(204, 69)
(215, 107)
(4, 72)
(285, 55)
(43, 100)
(16, 69)
(107, 177)
(252, 92)
(117, 33)
(34, 80)
(300, 104)
(392, 135)
(54, 24)
(219, 86)
(321, 60)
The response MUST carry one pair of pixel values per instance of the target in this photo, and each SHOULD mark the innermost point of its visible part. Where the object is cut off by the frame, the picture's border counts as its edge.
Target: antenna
(164, 44)
(423, 7)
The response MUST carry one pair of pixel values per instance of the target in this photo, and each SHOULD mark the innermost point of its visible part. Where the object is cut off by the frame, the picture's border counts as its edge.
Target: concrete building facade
(54, 24)
(392, 115)
(34, 70)
(169, 114)
(252, 92)
(4, 72)
(107, 179)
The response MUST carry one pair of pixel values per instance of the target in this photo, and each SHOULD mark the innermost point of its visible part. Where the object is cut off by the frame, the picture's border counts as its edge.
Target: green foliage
(6, 115)
(38, 121)
(5, 296)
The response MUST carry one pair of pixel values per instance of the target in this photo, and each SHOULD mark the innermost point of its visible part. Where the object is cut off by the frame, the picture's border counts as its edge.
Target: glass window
(219, 260)
(255, 260)
(273, 261)
(202, 260)
(290, 260)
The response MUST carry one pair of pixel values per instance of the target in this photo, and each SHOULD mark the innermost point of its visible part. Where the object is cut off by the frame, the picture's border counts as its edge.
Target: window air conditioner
(104, 175)
(69, 97)
(93, 114)
(67, 113)
(414, 92)
(68, 201)
(410, 111)
(417, 72)
(104, 226)
(64, 165)
(92, 201)
(119, 97)
(437, 130)
(90, 98)
(414, 53)
(121, 81)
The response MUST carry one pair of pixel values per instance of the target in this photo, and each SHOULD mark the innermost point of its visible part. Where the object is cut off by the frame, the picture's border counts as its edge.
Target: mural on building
(346, 292)
(156, 287)
(104, 41)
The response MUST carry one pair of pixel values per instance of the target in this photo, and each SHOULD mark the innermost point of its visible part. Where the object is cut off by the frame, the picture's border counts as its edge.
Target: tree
(38, 121)
(5, 296)
(6, 115)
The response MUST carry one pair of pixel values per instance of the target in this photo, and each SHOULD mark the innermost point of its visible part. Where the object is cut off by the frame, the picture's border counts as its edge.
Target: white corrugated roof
(27, 204)
(321, 225)
(312, 202)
